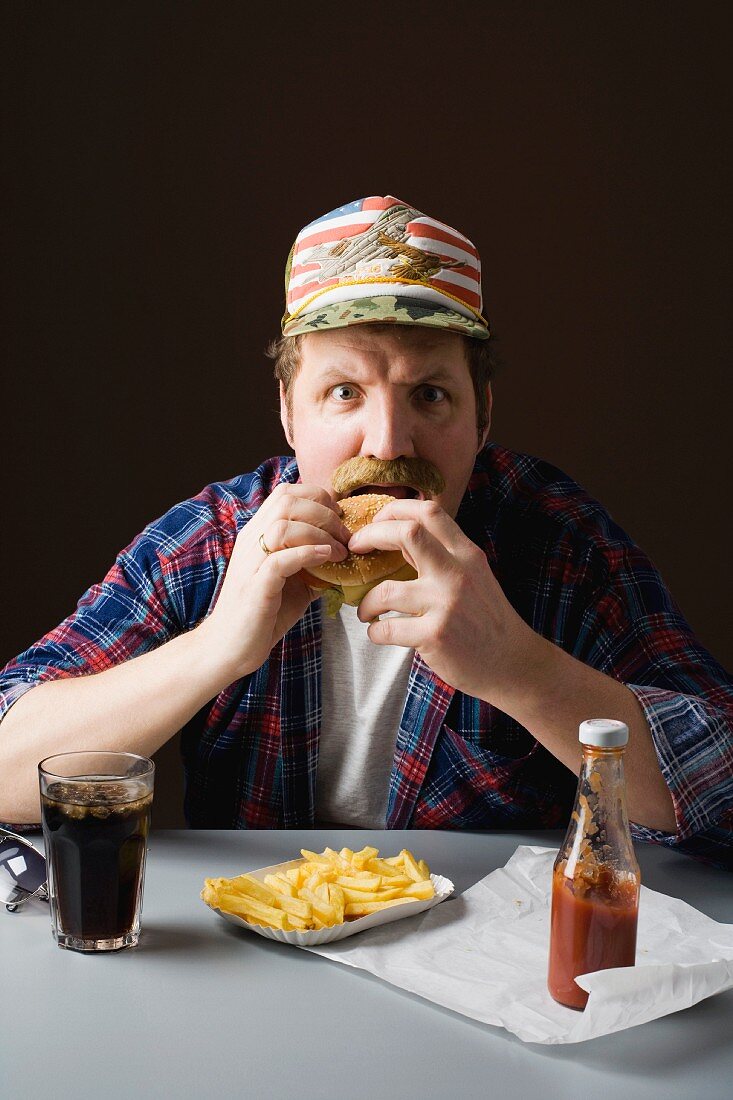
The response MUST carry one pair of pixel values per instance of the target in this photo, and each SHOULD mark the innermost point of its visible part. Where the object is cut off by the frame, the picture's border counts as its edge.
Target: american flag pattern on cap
(385, 255)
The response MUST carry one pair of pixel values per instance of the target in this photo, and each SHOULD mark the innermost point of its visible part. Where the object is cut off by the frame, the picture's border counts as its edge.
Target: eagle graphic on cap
(417, 265)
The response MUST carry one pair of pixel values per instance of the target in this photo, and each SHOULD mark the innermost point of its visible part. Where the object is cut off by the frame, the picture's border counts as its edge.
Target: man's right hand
(262, 596)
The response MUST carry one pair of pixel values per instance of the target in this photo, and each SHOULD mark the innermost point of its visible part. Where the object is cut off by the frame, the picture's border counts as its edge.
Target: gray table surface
(201, 1008)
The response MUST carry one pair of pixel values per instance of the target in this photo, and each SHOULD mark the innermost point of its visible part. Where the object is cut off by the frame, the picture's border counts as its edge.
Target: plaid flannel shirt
(251, 755)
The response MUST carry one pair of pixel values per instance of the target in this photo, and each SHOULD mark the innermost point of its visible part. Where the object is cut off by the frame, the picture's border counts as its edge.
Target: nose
(388, 432)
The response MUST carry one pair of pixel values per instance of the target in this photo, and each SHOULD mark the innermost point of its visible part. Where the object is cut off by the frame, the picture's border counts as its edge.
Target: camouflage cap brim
(384, 309)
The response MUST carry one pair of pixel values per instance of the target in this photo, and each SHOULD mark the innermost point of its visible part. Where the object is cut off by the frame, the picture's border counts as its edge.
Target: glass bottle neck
(599, 831)
(603, 754)
(602, 773)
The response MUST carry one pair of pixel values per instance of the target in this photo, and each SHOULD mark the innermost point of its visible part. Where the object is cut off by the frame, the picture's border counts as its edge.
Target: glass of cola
(96, 809)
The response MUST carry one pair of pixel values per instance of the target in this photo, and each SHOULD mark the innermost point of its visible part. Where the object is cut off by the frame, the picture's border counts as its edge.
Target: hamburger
(348, 581)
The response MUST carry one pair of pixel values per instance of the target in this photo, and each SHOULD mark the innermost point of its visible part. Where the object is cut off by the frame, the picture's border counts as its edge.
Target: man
(452, 700)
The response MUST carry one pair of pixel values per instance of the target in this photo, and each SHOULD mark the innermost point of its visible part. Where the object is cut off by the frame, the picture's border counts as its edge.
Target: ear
(285, 419)
(489, 406)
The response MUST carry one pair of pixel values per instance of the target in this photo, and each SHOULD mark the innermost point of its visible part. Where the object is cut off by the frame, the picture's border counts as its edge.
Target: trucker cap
(381, 260)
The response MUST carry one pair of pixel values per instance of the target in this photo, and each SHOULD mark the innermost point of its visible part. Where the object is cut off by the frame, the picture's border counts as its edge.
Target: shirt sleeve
(163, 584)
(636, 633)
(125, 615)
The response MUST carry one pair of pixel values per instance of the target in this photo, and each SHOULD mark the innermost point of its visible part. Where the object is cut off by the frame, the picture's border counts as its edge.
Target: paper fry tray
(443, 889)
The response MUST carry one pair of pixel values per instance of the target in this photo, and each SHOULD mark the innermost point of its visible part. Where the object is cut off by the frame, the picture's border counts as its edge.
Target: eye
(343, 392)
(433, 395)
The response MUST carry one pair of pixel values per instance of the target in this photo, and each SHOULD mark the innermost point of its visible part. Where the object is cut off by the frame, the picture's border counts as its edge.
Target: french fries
(326, 889)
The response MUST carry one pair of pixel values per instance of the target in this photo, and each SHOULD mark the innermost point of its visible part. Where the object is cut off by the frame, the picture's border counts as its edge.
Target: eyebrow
(337, 374)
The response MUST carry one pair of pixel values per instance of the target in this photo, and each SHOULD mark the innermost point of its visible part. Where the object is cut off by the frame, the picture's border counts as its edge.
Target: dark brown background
(163, 156)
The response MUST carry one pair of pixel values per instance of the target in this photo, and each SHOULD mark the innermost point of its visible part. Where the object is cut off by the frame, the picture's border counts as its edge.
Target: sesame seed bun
(356, 574)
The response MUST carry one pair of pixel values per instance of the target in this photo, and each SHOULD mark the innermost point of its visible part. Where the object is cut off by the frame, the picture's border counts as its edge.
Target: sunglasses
(22, 871)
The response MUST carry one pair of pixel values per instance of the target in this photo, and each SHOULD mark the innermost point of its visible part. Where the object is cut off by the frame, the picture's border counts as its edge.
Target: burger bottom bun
(353, 594)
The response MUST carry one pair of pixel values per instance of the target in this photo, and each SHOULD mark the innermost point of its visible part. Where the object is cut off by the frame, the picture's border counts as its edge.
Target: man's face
(384, 395)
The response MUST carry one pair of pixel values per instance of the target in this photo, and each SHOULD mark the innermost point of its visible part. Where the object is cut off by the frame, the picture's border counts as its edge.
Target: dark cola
(97, 836)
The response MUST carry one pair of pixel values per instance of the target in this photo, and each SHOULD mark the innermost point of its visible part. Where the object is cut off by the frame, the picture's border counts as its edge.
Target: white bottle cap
(604, 733)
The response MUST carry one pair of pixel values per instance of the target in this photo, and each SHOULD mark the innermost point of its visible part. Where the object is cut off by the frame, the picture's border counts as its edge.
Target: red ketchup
(595, 881)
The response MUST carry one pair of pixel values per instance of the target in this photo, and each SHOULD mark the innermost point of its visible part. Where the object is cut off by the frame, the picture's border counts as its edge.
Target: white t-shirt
(364, 687)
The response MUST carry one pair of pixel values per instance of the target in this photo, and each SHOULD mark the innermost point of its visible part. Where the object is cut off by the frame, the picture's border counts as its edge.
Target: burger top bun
(359, 569)
(357, 573)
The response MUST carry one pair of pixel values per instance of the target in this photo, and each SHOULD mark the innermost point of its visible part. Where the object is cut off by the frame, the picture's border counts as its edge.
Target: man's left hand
(457, 616)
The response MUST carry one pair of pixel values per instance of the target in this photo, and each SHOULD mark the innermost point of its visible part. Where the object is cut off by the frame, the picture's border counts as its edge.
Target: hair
(481, 356)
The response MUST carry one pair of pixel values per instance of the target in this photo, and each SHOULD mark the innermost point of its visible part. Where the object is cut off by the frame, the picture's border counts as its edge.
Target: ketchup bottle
(595, 879)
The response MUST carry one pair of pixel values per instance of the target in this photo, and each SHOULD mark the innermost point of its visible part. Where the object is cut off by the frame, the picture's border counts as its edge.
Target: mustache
(359, 471)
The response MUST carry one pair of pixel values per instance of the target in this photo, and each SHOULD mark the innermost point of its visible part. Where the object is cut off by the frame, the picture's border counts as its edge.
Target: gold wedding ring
(263, 545)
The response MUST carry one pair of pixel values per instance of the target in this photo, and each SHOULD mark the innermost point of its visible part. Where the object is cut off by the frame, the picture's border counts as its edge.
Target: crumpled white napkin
(484, 954)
